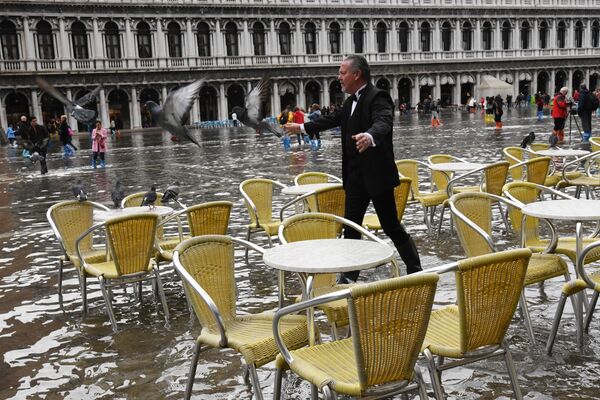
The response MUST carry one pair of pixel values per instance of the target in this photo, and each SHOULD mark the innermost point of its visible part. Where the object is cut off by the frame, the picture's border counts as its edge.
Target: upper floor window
(525, 34)
(403, 36)
(45, 41)
(79, 41)
(425, 36)
(595, 34)
(334, 38)
(231, 39)
(486, 36)
(144, 40)
(467, 36)
(381, 37)
(258, 38)
(285, 39)
(446, 36)
(506, 35)
(310, 38)
(113, 40)
(579, 34)
(174, 40)
(561, 35)
(9, 41)
(358, 37)
(203, 40)
(544, 31)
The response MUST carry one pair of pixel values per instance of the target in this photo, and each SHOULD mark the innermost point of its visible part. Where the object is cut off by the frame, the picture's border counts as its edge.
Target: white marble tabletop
(162, 211)
(562, 152)
(328, 255)
(456, 166)
(299, 190)
(568, 210)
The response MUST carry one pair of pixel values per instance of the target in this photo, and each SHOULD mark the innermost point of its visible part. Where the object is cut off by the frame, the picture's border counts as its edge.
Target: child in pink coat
(99, 136)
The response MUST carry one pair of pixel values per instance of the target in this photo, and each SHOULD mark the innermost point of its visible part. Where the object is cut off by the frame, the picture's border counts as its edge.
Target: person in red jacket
(560, 111)
(299, 119)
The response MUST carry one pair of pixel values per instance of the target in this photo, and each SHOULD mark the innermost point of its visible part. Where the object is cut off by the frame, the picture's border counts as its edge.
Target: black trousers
(357, 201)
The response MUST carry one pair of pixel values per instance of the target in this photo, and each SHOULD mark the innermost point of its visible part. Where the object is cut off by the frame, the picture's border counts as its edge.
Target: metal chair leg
(512, 372)
(277, 384)
(526, 317)
(280, 288)
(192, 373)
(83, 285)
(107, 300)
(433, 373)
(590, 312)
(314, 392)
(60, 279)
(334, 332)
(328, 394)
(248, 239)
(557, 316)
(441, 221)
(161, 294)
(255, 382)
(421, 384)
(504, 219)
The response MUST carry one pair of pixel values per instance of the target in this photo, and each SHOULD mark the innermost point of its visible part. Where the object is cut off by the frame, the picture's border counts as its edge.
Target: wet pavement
(52, 353)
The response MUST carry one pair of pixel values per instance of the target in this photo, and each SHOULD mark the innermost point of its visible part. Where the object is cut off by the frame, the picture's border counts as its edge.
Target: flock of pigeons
(174, 113)
(117, 195)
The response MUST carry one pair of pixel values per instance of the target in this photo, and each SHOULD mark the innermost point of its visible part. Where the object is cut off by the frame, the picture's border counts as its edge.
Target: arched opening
(543, 32)
(486, 35)
(174, 40)
(258, 38)
(312, 93)
(118, 108)
(578, 79)
(383, 84)
(593, 82)
(561, 35)
(113, 40)
(90, 106)
(336, 96)
(235, 97)
(310, 38)
(51, 108)
(17, 104)
(578, 34)
(358, 34)
(467, 36)
(466, 91)
(403, 36)
(525, 35)
(446, 36)
(334, 38)
(425, 36)
(79, 41)
(45, 41)
(148, 94)
(231, 39)
(446, 90)
(595, 34)
(560, 80)
(144, 40)
(285, 39)
(9, 41)
(542, 82)
(203, 40)
(404, 91)
(381, 37)
(209, 109)
(425, 91)
(506, 35)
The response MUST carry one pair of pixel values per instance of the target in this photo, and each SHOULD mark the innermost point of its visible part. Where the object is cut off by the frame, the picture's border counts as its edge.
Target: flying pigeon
(149, 198)
(527, 140)
(171, 193)
(117, 195)
(35, 157)
(79, 191)
(254, 113)
(74, 108)
(175, 110)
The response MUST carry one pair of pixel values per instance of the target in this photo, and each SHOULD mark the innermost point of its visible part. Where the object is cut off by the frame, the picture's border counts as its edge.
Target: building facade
(140, 51)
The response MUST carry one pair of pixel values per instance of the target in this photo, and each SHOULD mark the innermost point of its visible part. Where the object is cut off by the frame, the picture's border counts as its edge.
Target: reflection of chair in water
(488, 289)
(131, 243)
(206, 266)
(69, 220)
(379, 359)
(401, 192)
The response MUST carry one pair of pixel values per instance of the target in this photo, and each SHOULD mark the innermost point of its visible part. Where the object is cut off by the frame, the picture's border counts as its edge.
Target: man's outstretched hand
(363, 141)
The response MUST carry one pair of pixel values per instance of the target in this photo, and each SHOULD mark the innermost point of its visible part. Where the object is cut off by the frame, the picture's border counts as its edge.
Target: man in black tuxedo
(368, 169)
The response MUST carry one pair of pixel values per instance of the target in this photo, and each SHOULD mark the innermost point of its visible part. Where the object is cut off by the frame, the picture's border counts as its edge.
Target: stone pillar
(393, 39)
(301, 95)
(197, 110)
(347, 40)
(135, 107)
(323, 42)
(70, 120)
(552, 43)
(534, 85)
(161, 50)
(498, 35)
(535, 35)
(163, 92)
(248, 87)
(64, 40)
(3, 118)
(587, 37)
(394, 92)
(587, 77)
(274, 42)
(570, 36)
(437, 37)
(35, 105)
(223, 111)
(298, 43)
(515, 84)
(97, 51)
(477, 39)
(275, 100)
(192, 49)
(516, 36)
(552, 84)
(326, 98)
(477, 83)
(103, 108)
(437, 93)
(415, 37)
(457, 89)
(246, 41)
(457, 37)
(29, 46)
(370, 37)
(416, 91)
(570, 81)
(128, 51)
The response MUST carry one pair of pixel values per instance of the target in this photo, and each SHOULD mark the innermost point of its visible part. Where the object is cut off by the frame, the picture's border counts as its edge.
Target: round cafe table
(162, 211)
(456, 166)
(299, 190)
(562, 152)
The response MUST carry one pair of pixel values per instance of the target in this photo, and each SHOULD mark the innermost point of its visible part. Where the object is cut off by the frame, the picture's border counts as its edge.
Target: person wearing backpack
(586, 106)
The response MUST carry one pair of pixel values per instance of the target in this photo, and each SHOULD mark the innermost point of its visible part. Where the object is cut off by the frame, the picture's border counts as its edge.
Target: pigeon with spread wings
(254, 112)
(74, 108)
(175, 111)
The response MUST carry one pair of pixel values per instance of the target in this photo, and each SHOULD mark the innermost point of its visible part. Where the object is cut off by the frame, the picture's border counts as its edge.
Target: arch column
(415, 36)
(416, 91)
(477, 39)
(247, 51)
(219, 39)
(326, 98)
(301, 96)
(457, 89)
(477, 83)
(192, 49)
(570, 81)
(71, 121)
(587, 77)
(323, 41)
(29, 47)
(222, 102)
(35, 106)
(275, 103)
(3, 118)
(515, 36)
(196, 110)
(457, 39)
(128, 50)
(552, 82)
(136, 118)
(297, 45)
(437, 37)
(535, 36)
(347, 39)
(273, 42)
(160, 44)
(64, 41)
(103, 108)
(498, 35)
(515, 84)
(393, 39)
(552, 43)
(438, 89)
(534, 83)
(97, 47)
(395, 96)
(370, 37)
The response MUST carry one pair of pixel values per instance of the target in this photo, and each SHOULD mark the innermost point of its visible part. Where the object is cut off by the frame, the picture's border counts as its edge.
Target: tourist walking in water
(38, 139)
(498, 111)
(559, 113)
(64, 133)
(99, 136)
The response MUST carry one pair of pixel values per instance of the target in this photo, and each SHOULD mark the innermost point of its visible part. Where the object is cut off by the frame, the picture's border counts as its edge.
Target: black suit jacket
(374, 113)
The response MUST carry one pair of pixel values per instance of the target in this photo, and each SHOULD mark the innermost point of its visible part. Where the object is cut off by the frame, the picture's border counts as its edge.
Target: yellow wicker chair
(595, 143)
(311, 226)
(428, 200)
(210, 218)
(534, 170)
(258, 198)
(135, 199)
(488, 289)
(401, 192)
(379, 359)
(130, 240)
(440, 179)
(472, 213)
(307, 178)
(588, 181)
(514, 155)
(330, 200)
(69, 220)
(539, 146)
(206, 266)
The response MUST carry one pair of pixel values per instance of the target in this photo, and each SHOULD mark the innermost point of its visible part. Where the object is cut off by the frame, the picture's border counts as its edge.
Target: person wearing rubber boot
(497, 107)
(587, 105)
(99, 137)
(560, 111)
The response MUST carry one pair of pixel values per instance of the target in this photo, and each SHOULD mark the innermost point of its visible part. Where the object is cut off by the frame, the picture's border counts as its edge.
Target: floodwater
(49, 352)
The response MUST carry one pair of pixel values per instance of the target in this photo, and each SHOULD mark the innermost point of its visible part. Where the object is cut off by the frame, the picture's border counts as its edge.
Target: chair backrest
(210, 218)
(488, 289)
(538, 147)
(410, 169)
(495, 177)
(440, 178)
(331, 200)
(307, 178)
(477, 209)
(514, 155)
(209, 260)
(536, 169)
(401, 193)
(526, 193)
(595, 142)
(135, 199)
(131, 241)
(260, 192)
(69, 220)
(389, 320)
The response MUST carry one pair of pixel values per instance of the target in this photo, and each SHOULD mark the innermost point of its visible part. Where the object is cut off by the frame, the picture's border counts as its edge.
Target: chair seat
(567, 246)
(336, 311)
(371, 221)
(465, 189)
(432, 199)
(544, 266)
(552, 180)
(443, 333)
(584, 180)
(269, 227)
(331, 363)
(252, 336)
(170, 242)
(92, 256)
(108, 269)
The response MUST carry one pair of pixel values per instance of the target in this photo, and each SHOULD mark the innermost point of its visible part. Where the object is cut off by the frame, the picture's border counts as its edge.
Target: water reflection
(54, 354)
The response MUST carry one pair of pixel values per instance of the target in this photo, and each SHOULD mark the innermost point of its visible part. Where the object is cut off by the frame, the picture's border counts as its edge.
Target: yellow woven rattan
(439, 178)
(308, 178)
(331, 200)
(135, 199)
(401, 192)
(209, 260)
(260, 193)
(595, 143)
(388, 320)
(514, 155)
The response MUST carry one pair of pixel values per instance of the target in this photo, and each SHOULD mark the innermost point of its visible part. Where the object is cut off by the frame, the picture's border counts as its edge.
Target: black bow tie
(352, 98)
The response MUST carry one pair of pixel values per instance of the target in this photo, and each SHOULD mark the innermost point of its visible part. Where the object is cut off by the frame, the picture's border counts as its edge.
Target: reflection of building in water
(415, 47)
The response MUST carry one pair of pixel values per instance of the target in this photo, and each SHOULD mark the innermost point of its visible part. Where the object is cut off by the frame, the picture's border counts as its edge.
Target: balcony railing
(224, 62)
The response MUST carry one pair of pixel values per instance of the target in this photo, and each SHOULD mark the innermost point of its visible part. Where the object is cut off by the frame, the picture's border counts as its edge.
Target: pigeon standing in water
(74, 108)
(254, 112)
(527, 140)
(79, 191)
(149, 198)
(171, 193)
(117, 195)
(175, 110)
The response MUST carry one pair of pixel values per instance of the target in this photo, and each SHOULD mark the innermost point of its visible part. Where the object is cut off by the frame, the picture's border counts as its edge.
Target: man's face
(34, 121)
(349, 80)
(23, 118)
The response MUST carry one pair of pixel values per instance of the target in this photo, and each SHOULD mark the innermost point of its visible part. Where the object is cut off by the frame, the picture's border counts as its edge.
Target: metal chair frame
(316, 174)
(527, 165)
(305, 196)
(590, 160)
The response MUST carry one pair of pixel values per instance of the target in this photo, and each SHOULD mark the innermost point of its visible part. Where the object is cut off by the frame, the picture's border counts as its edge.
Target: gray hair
(359, 63)
(564, 90)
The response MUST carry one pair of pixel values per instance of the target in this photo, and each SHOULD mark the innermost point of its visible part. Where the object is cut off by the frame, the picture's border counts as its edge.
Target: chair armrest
(453, 181)
(99, 206)
(169, 218)
(294, 201)
(335, 178)
(248, 244)
(576, 162)
(91, 229)
(580, 262)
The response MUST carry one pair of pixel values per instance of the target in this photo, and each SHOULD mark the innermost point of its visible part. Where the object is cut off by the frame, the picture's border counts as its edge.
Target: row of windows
(79, 38)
